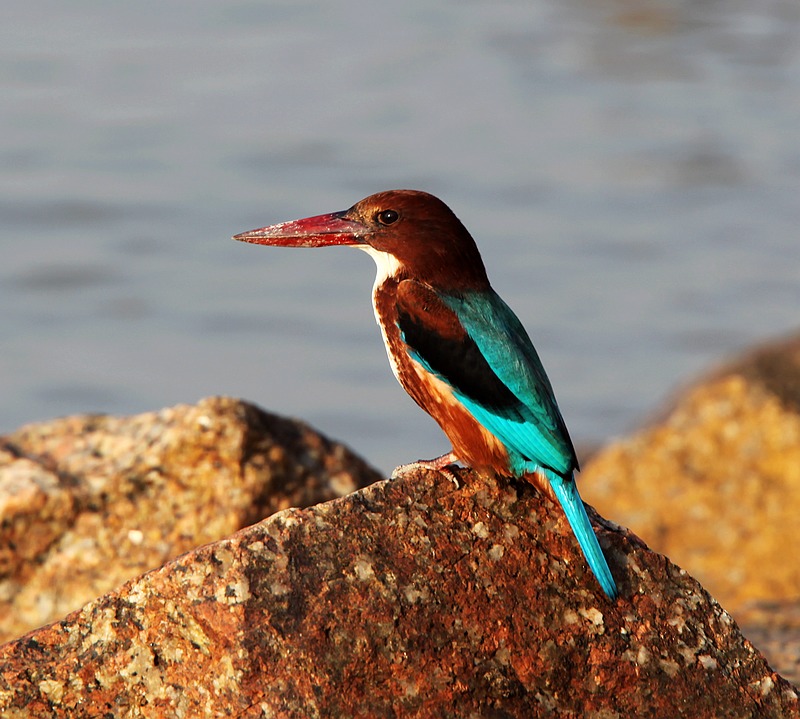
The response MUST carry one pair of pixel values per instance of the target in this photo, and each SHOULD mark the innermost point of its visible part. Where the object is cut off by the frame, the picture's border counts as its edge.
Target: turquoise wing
(476, 344)
(536, 430)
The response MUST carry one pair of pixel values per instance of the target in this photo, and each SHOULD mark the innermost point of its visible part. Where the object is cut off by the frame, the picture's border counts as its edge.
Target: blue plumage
(534, 429)
(529, 425)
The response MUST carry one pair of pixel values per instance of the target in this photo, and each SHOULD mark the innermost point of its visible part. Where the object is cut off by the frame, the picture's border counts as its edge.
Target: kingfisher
(455, 346)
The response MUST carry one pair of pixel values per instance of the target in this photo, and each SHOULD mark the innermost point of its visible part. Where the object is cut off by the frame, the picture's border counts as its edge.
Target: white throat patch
(387, 265)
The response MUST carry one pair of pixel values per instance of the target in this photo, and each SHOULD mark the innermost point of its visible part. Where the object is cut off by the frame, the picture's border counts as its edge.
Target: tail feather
(567, 494)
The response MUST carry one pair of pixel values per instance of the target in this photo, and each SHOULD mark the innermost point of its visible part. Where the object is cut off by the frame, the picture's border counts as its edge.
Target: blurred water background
(630, 170)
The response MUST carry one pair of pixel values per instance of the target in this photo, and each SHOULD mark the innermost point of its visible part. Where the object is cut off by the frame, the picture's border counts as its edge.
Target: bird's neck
(388, 267)
(384, 299)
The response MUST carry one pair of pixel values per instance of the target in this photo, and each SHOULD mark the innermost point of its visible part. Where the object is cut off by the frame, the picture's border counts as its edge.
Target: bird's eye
(388, 217)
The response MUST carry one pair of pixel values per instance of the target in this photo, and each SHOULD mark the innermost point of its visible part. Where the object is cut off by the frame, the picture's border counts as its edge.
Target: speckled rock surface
(410, 598)
(88, 502)
(715, 483)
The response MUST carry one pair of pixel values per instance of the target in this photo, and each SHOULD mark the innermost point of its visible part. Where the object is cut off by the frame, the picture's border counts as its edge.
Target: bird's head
(409, 233)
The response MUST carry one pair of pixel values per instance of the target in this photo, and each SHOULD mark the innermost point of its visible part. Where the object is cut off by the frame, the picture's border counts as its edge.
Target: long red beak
(319, 231)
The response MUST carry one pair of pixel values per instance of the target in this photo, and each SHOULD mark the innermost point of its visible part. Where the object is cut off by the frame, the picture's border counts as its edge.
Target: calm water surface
(631, 172)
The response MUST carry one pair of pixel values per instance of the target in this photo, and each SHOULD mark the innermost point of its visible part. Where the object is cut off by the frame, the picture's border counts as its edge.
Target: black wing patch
(438, 339)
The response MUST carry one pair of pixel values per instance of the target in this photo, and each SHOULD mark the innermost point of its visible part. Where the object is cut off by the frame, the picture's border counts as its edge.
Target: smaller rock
(87, 502)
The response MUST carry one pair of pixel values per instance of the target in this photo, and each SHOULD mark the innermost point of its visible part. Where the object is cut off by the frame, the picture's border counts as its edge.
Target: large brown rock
(715, 482)
(89, 502)
(408, 598)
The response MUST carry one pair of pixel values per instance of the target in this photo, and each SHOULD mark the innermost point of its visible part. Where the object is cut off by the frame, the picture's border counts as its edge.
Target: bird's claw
(439, 464)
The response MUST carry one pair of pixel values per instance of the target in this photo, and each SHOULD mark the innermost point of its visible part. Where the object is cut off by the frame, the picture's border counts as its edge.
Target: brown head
(412, 232)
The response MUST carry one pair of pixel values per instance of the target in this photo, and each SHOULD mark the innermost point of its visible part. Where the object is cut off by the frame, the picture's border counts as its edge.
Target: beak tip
(250, 236)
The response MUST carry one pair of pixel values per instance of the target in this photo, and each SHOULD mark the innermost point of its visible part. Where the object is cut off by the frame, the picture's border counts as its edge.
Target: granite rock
(409, 598)
(88, 502)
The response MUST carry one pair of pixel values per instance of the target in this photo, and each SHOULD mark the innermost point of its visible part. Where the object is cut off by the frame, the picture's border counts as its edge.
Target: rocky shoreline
(406, 597)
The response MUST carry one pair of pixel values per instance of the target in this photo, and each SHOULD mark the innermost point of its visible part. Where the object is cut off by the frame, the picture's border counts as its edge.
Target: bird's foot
(439, 464)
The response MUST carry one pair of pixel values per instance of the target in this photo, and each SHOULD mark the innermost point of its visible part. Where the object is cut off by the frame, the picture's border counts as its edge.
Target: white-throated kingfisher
(455, 346)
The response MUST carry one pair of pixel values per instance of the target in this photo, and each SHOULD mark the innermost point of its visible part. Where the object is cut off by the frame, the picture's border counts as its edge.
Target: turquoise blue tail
(567, 494)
